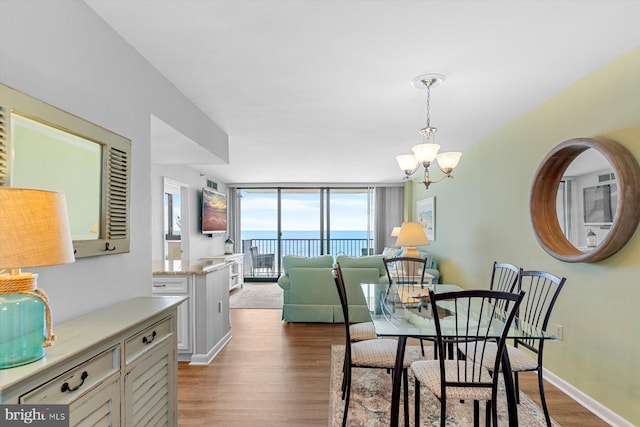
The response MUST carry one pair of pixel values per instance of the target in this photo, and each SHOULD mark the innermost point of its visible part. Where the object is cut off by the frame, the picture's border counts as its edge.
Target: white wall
(195, 244)
(61, 52)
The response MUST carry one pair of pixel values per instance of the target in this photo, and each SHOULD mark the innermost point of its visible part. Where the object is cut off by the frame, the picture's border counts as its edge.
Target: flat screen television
(214, 211)
(600, 204)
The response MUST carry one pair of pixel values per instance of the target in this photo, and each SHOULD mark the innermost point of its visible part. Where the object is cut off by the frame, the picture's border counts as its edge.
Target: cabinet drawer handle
(160, 286)
(147, 340)
(65, 387)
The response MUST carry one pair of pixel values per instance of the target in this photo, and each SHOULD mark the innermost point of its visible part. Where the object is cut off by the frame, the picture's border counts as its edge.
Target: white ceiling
(320, 90)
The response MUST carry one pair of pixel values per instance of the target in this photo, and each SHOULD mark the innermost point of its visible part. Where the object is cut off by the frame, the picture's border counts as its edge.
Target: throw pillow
(391, 252)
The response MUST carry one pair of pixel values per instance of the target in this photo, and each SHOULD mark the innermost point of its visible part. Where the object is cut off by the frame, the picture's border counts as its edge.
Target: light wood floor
(273, 373)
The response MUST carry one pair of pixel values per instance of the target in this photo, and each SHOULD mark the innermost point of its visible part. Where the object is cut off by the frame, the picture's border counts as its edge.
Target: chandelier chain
(428, 84)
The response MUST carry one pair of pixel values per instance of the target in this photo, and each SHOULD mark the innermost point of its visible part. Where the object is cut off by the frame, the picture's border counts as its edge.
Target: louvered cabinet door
(150, 386)
(101, 408)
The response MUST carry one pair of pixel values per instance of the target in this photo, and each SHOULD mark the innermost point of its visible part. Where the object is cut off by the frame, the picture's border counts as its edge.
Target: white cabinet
(212, 328)
(236, 268)
(91, 389)
(236, 273)
(150, 387)
(100, 407)
(178, 285)
(203, 321)
(114, 367)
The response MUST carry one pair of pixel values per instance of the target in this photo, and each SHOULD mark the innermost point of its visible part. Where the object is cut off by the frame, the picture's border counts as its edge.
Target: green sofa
(310, 293)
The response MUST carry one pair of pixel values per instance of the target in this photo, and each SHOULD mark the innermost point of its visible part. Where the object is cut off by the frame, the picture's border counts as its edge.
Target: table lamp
(411, 235)
(34, 232)
(395, 231)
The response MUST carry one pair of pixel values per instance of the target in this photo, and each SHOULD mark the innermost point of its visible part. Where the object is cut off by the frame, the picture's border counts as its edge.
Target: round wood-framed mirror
(544, 193)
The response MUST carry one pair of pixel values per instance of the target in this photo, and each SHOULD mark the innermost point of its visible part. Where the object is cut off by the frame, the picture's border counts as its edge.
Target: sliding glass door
(303, 222)
(350, 221)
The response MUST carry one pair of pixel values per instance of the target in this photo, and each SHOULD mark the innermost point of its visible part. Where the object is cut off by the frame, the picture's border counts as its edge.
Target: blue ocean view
(308, 243)
(301, 234)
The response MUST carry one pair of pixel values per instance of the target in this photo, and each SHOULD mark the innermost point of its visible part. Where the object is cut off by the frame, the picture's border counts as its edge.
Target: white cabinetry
(91, 389)
(149, 387)
(203, 321)
(236, 268)
(178, 285)
(114, 367)
(211, 324)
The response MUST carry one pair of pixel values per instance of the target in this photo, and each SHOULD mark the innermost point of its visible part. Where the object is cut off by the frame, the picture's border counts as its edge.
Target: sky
(301, 211)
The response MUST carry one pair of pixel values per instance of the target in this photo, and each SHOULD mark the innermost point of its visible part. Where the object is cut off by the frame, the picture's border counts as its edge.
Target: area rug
(256, 295)
(371, 400)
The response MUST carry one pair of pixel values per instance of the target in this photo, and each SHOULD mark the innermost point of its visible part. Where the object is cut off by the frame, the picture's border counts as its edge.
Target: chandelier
(427, 152)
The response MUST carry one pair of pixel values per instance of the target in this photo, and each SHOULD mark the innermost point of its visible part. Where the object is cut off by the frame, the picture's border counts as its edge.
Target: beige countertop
(187, 267)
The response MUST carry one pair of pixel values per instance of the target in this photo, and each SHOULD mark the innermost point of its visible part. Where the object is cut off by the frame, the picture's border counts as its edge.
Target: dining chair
(406, 277)
(362, 331)
(379, 353)
(505, 277)
(406, 270)
(541, 292)
(468, 315)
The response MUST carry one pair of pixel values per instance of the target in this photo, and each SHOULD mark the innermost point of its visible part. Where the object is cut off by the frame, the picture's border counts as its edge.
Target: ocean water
(302, 234)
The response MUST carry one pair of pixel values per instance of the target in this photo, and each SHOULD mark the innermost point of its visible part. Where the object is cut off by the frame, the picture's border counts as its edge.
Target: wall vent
(212, 184)
(607, 177)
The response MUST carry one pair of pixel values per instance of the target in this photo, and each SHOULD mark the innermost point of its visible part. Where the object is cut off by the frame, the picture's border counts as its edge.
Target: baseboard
(205, 359)
(597, 408)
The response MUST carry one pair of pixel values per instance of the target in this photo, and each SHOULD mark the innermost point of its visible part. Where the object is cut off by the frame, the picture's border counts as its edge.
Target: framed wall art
(426, 215)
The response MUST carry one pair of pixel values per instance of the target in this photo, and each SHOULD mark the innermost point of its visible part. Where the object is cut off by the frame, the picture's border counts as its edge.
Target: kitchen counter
(186, 267)
(203, 325)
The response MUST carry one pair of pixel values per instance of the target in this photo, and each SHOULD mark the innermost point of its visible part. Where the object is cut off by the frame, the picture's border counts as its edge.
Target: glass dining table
(406, 313)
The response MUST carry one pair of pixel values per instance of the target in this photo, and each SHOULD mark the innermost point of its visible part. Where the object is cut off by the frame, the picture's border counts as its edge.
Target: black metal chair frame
(505, 277)
(542, 290)
(467, 372)
(347, 364)
(407, 264)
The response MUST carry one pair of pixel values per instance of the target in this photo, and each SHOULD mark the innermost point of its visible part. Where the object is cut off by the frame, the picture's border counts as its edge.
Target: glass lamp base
(22, 329)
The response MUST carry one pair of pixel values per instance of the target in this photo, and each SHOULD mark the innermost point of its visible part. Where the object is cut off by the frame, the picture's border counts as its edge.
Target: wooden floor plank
(273, 373)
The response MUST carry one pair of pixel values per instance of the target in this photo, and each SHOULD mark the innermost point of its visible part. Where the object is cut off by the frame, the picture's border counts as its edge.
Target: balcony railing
(302, 247)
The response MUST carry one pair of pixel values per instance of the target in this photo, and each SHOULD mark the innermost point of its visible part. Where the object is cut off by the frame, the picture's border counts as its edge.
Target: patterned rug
(371, 400)
(256, 295)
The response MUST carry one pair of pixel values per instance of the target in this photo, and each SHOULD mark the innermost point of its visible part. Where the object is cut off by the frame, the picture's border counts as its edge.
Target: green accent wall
(482, 215)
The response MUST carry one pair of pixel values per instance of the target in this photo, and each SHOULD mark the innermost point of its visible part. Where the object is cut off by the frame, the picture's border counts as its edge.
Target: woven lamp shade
(34, 229)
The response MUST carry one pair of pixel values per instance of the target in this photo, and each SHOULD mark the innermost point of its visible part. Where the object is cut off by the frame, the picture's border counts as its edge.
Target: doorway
(175, 201)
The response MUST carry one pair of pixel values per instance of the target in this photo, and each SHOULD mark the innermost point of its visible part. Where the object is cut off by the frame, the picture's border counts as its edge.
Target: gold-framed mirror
(612, 203)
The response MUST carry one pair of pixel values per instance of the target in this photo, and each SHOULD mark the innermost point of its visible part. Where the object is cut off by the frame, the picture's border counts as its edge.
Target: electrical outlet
(559, 332)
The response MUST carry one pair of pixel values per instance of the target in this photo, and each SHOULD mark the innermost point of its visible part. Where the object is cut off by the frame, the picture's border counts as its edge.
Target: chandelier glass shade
(428, 151)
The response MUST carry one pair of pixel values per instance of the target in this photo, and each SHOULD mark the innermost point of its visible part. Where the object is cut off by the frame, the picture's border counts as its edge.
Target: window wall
(304, 222)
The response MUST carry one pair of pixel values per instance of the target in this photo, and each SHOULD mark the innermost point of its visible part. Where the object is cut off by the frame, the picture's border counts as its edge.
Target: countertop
(187, 267)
